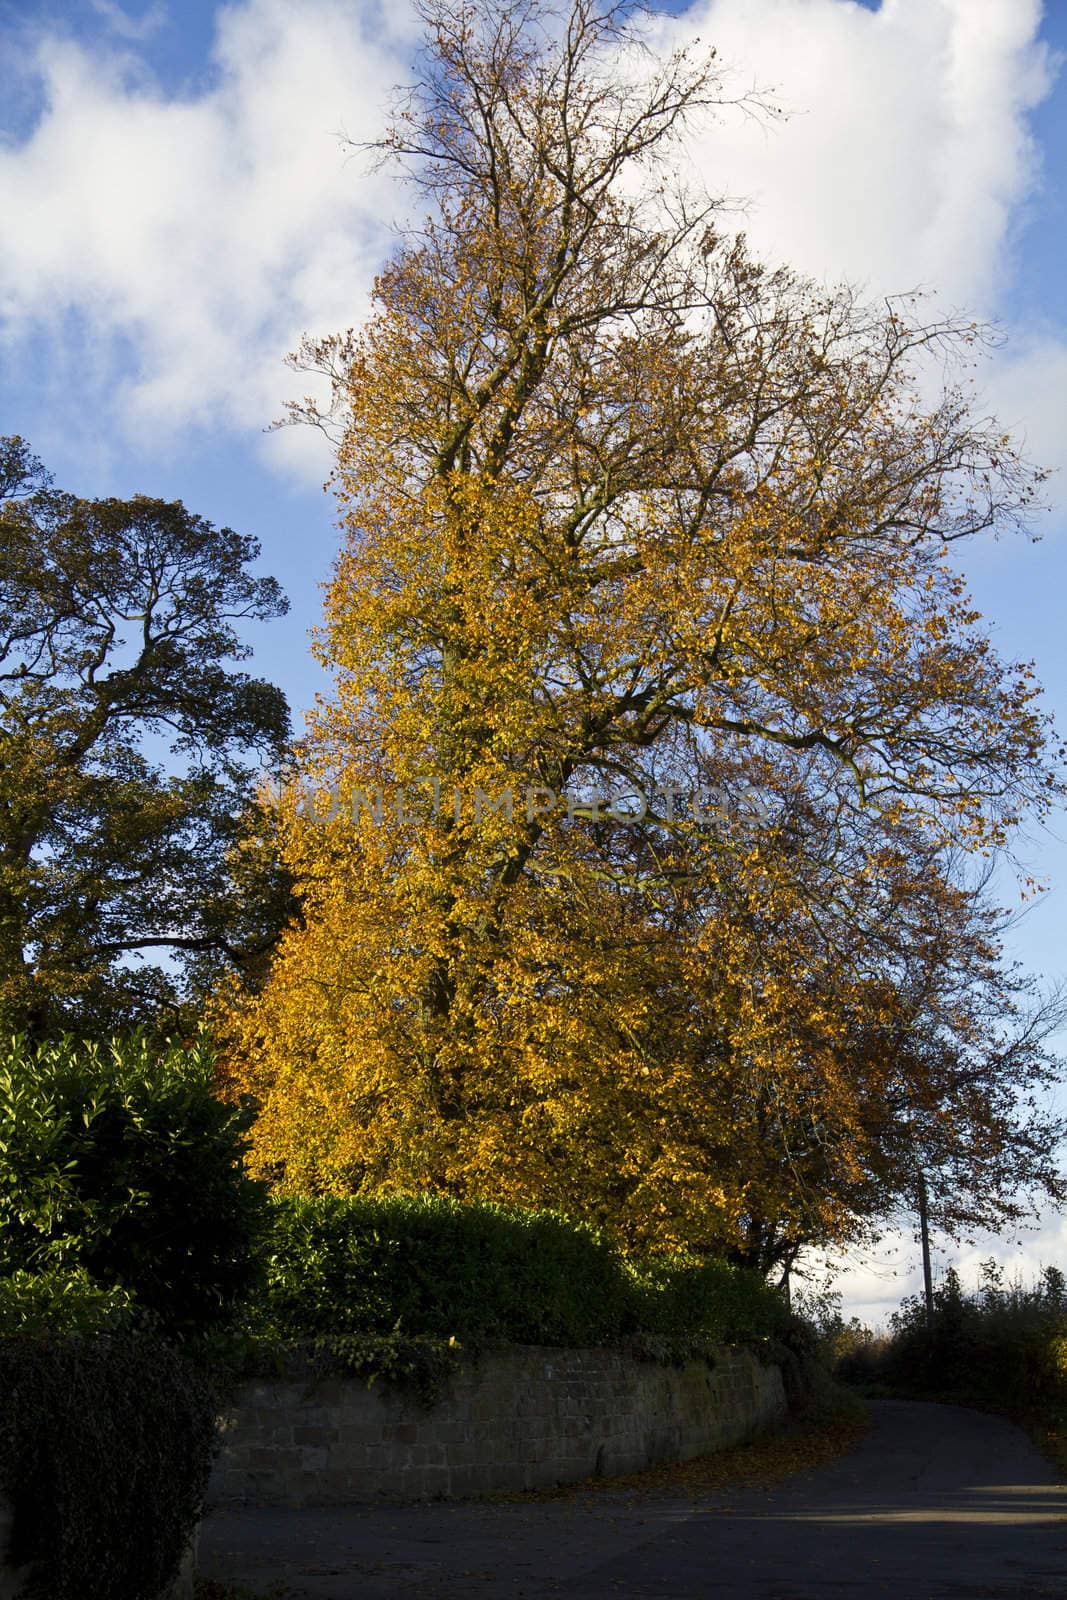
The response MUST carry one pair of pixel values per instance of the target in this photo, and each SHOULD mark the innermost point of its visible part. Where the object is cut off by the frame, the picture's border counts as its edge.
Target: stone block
(317, 1434)
(365, 1431)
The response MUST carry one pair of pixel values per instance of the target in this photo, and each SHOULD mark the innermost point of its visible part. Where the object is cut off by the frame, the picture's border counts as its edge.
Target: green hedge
(721, 1303)
(120, 1161)
(433, 1266)
(106, 1442)
(427, 1266)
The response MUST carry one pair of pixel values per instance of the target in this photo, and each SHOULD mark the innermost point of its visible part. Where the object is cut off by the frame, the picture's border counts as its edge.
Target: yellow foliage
(621, 508)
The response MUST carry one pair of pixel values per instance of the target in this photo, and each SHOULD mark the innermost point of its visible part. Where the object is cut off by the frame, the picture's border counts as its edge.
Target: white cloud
(872, 1282)
(1027, 391)
(172, 249)
(905, 148)
(151, 20)
(905, 163)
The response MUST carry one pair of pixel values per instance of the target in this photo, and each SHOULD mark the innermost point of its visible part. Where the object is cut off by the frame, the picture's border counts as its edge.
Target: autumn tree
(626, 512)
(878, 1044)
(129, 751)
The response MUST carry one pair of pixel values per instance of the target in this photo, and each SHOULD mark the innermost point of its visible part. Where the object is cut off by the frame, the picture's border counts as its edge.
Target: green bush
(60, 1302)
(105, 1452)
(681, 1297)
(121, 1162)
(1001, 1345)
(433, 1266)
(428, 1266)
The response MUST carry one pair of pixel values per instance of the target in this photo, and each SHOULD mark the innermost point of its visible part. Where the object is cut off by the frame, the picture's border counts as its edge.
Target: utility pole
(924, 1235)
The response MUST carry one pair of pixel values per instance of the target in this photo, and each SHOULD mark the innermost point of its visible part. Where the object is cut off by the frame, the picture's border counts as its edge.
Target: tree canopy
(629, 513)
(129, 748)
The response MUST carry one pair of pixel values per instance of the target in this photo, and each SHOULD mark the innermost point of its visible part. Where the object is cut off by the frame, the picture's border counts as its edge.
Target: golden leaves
(621, 508)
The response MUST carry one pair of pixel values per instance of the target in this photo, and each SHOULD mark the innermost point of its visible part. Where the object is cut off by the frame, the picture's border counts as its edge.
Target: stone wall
(521, 1418)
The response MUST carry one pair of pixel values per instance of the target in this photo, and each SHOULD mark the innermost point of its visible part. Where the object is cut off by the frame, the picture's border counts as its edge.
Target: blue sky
(178, 210)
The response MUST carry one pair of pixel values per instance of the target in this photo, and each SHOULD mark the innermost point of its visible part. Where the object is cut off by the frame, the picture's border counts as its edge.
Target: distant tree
(129, 749)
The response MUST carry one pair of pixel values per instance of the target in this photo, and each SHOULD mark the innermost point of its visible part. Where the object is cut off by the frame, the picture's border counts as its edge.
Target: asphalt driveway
(936, 1502)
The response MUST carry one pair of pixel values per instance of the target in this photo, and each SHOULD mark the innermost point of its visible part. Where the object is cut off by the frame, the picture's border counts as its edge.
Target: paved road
(938, 1503)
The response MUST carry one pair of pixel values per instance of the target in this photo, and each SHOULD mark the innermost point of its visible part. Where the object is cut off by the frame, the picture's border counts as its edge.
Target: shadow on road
(936, 1502)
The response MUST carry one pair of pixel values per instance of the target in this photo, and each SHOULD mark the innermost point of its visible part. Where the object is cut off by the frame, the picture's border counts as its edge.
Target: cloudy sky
(178, 207)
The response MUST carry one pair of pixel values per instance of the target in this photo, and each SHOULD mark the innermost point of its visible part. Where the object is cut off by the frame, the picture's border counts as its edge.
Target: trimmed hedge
(106, 1443)
(119, 1161)
(435, 1267)
(722, 1303)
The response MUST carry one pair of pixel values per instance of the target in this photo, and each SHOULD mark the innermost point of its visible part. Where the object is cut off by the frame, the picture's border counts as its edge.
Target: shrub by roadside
(106, 1441)
(1001, 1346)
(432, 1266)
(682, 1297)
(119, 1161)
(126, 1222)
(46, 1303)
(436, 1268)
